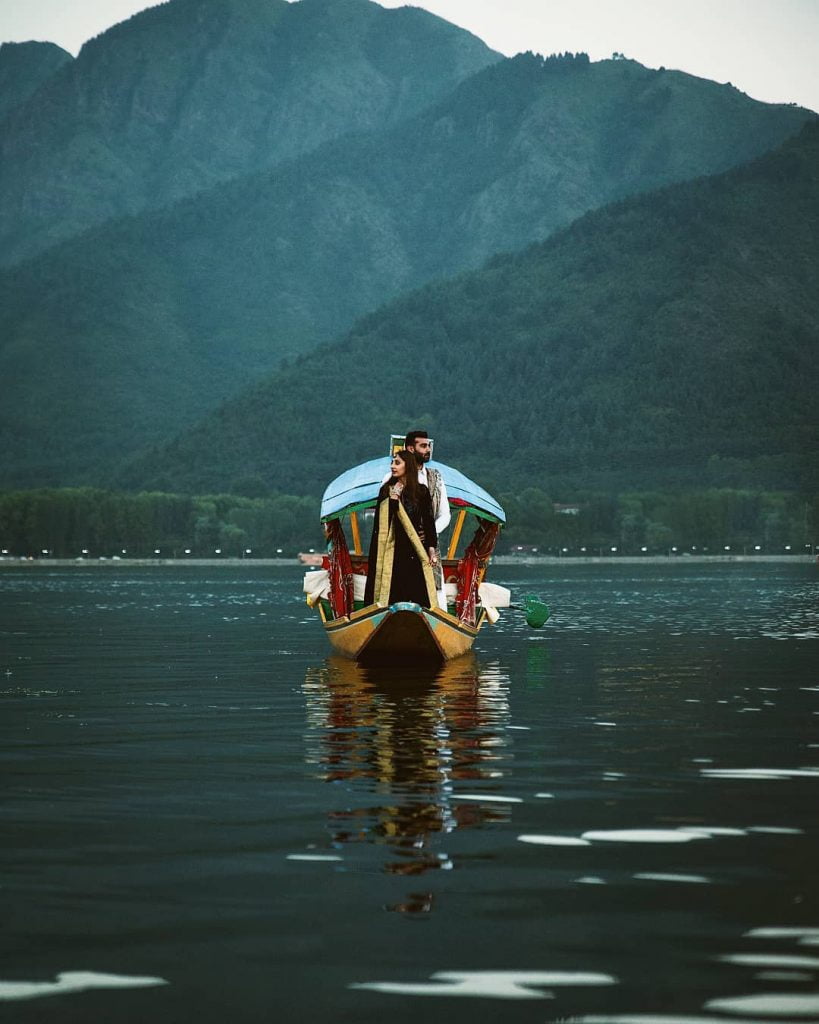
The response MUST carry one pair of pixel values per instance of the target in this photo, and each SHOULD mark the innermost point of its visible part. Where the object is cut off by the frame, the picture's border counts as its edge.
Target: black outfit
(407, 583)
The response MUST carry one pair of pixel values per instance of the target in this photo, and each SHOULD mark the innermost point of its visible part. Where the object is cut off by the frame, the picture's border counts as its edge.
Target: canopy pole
(456, 533)
(356, 534)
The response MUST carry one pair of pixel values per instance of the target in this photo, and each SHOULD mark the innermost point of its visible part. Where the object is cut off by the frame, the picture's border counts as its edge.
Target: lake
(208, 818)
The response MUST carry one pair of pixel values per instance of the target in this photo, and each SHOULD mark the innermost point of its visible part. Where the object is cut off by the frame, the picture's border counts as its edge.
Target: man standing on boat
(418, 442)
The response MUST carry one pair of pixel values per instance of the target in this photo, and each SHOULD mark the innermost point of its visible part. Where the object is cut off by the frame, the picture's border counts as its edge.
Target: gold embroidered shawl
(386, 554)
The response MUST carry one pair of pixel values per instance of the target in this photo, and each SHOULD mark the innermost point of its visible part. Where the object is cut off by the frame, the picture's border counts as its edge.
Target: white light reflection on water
(775, 830)
(664, 1018)
(642, 835)
(487, 798)
(768, 1004)
(769, 960)
(792, 1007)
(652, 836)
(658, 876)
(803, 935)
(329, 857)
(760, 773)
(545, 840)
(489, 984)
(714, 830)
(73, 981)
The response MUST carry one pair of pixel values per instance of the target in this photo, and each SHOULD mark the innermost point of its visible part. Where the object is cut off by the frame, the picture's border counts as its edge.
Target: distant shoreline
(647, 559)
(9, 562)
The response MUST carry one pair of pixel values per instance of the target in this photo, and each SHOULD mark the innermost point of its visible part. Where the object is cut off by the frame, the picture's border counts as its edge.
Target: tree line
(705, 521)
(88, 522)
(72, 522)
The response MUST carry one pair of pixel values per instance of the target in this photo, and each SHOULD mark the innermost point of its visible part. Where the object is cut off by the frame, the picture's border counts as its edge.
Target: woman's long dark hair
(411, 485)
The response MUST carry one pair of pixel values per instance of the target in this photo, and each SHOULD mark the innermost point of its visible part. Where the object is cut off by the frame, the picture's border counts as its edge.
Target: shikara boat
(375, 632)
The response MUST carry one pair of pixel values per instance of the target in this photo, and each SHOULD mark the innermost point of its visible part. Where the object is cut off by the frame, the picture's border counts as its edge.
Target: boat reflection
(405, 744)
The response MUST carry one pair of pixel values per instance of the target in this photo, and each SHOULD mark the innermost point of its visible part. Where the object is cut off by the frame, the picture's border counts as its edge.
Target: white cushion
(359, 583)
(316, 585)
(493, 596)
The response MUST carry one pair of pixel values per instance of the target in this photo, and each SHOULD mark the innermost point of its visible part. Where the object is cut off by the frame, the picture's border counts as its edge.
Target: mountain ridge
(223, 285)
(186, 94)
(124, 334)
(24, 68)
(698, 364)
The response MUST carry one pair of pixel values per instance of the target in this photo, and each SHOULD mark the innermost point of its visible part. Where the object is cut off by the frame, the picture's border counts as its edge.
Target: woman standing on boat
(402, 550)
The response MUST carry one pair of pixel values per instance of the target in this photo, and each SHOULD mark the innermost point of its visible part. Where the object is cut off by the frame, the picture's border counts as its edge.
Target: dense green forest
(24, 67)
(71, 523)
(124, 335)
(65, 523)
(667, 341)
(709, 521)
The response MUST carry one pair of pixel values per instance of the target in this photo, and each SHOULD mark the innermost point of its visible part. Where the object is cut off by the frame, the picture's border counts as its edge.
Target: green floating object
(537, 611)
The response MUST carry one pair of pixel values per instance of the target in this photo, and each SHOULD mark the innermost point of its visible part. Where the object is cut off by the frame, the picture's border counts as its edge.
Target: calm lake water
(206, 818)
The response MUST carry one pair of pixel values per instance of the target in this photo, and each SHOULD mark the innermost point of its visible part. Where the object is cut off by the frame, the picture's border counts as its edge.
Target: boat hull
(405, 629)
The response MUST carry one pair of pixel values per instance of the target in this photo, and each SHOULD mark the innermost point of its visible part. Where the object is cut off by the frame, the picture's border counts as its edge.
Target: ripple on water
(659, 1018)
(775, 830)
(683, 834)
(538, 840)
(772, 1004)
(486, 798)
(760, 773)
(314, 856)
(714, 830)
(491, 984)
(73, 981)
(770, 960)
(642, 835)
(803, 936)
(658, 876)
(626, 835)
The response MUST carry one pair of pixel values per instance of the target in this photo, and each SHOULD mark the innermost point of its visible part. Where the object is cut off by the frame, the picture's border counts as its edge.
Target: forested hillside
(24, 67)
(665, 340)
(125, 335)
(193, 92)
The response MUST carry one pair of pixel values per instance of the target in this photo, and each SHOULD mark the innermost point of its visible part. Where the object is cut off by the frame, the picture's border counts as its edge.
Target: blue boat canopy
(358, 489)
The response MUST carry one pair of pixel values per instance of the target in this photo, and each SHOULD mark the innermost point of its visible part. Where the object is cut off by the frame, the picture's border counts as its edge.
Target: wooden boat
(376, 632)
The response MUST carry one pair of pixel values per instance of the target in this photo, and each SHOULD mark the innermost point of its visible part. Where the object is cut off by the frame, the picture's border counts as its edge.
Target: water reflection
(408, 743)
(538, 666)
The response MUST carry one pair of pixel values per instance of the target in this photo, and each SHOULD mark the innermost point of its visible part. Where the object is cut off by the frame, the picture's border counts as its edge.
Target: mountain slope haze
(667, 339)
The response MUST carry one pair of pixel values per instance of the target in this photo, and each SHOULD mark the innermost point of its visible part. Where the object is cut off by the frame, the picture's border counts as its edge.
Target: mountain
(528, 145)
(125, 335)
(194, 92)
(24, 67)
(665, 339)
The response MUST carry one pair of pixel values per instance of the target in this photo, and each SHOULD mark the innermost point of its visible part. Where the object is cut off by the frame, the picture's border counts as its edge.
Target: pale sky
(767, 48)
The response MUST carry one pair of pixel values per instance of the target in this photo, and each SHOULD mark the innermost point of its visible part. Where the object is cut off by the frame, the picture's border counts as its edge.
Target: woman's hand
(433, 556)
